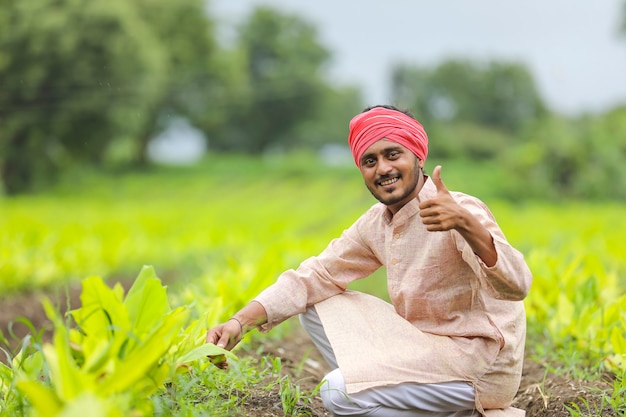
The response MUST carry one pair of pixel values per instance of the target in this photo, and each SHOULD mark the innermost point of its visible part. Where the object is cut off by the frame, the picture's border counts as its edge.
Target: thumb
(441, 187)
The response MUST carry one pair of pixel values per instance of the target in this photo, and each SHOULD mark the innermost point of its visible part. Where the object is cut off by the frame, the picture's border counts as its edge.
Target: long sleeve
(344, 260)
(510, 278)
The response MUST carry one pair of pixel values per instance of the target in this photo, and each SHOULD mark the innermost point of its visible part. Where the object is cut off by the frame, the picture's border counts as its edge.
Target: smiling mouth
(389, 181)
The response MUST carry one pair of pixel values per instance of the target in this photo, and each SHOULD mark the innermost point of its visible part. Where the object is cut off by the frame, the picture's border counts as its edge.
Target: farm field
(217, 233)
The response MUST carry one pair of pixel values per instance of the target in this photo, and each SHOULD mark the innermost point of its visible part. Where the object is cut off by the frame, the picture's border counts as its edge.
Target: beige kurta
(452, 318)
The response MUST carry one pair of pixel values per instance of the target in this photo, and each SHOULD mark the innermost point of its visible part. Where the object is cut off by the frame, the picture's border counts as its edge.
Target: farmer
(451, 343)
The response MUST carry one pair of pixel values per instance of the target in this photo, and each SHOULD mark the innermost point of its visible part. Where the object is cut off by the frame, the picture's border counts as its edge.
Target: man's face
(391, 173)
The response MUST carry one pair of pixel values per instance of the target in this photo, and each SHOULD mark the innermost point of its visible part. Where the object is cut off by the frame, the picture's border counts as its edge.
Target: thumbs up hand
(442, 212)
(441, 187)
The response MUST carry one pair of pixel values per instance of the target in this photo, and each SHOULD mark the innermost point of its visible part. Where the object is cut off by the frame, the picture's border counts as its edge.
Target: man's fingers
(441, 187)
(224, 336)
(223, 342)
(211, 337)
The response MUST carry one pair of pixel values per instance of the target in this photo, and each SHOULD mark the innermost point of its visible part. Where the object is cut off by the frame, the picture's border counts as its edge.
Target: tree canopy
(93, 81)
(83, 80)
(281, 80)
(496, 94)
(74, 74)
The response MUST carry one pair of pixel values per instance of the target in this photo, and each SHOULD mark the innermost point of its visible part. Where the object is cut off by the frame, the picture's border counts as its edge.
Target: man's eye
(369, 162)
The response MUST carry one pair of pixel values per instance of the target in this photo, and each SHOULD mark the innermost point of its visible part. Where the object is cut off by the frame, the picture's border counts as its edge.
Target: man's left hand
(441, 212)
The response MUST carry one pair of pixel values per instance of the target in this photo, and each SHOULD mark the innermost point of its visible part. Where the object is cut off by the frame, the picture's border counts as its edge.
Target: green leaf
(64, 373)
(97, 406)
(97, 358)
(43, 399)
(101, 316)
(146, 302)
(203, 351)
(145, 357)
(6, 379)
(618, 341)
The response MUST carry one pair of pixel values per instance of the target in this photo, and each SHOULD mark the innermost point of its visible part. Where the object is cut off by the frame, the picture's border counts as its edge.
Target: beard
(410, 184)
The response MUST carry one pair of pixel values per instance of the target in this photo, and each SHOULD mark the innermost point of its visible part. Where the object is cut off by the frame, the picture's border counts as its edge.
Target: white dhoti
(388, 367)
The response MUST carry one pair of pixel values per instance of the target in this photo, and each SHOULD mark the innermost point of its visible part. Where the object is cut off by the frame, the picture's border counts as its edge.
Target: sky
(573, 48)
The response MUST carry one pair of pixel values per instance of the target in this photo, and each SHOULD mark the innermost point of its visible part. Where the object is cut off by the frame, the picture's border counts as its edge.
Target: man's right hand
(229, 333)
(226, 336)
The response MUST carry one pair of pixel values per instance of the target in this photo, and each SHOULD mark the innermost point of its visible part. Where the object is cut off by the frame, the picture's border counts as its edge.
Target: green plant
(584, 407)
(617, 398)
(294, 401)
(122, 349)
(26, 362)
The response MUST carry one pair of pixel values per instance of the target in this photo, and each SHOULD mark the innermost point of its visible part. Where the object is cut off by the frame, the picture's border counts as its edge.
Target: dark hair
(390, 107)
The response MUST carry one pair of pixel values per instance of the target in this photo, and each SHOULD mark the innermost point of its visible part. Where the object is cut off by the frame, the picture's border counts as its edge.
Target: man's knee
(334, 396)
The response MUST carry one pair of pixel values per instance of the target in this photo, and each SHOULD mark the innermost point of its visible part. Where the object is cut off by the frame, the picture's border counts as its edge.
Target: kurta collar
(410, 209)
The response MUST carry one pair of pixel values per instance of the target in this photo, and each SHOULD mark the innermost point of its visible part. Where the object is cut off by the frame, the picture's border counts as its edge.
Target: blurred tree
(282, 63)
(74, 74)
(467, 140)
(195, 74)
(603, 174)
(551, 155)
(497, 95)
(572, 158)
(328, 124)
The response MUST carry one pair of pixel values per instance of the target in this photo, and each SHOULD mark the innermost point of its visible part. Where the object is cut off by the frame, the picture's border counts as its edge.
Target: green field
(220, 231)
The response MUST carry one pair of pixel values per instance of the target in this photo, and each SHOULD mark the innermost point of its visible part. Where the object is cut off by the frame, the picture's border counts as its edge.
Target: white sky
(572, 47)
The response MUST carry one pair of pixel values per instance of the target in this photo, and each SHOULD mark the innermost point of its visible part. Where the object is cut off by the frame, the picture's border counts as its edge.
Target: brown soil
(542, 393)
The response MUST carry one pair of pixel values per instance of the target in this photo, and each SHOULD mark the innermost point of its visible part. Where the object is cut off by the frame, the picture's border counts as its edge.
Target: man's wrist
(238, 321)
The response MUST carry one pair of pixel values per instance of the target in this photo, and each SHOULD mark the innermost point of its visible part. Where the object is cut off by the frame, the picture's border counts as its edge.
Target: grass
(215, 393)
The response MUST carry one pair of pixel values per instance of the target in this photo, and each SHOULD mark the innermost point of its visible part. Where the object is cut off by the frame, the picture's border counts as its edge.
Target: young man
(451, 343)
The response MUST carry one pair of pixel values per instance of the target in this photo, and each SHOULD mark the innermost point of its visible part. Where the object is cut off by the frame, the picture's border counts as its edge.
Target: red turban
(378, 123)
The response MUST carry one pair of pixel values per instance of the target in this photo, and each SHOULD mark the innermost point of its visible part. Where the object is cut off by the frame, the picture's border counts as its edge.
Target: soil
(542, 393)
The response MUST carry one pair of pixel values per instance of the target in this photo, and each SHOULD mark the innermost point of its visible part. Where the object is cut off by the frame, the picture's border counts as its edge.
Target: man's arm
(442, 213)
